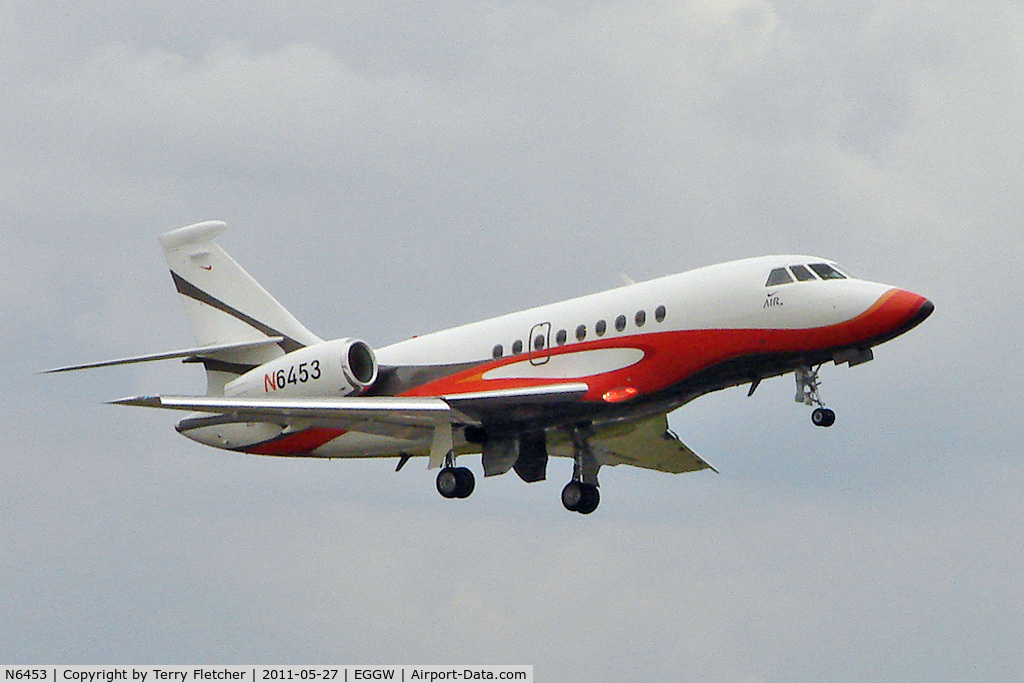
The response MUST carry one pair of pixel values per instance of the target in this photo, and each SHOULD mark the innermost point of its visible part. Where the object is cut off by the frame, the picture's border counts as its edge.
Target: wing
(398, 417)
(647, 443)
(509, 404)
(402, 417)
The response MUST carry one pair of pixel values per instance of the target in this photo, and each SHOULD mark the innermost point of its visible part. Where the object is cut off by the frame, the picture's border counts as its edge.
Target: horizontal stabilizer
(198, 352)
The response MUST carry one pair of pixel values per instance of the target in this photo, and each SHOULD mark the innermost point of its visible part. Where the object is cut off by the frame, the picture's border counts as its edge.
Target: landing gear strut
(581, 494)
(455, 482)
(807, 385)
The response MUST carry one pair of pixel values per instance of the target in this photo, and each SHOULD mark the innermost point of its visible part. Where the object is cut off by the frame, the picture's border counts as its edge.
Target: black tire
(466, 482)
(591, 499)
(823, 417)
(580, 497)
(572, 496)
(448, 482)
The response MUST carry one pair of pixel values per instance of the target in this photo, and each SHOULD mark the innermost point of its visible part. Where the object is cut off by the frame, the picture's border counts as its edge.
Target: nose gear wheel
(823, 417)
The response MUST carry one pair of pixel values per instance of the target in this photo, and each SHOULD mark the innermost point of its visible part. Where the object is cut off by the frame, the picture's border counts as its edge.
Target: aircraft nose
(906, 310)
(919, 308)
(924, 311)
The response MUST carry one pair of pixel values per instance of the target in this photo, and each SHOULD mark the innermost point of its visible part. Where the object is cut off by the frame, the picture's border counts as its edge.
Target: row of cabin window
(600, 327)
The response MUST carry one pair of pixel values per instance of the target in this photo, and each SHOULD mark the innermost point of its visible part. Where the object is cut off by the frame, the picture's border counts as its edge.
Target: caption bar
(263, 674)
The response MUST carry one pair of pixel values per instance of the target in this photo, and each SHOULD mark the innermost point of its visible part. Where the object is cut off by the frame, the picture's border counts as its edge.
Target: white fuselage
(642, 347)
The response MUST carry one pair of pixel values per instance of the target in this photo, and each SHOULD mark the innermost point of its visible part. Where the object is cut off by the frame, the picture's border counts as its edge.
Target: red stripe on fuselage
(669, 358)
(296, 443)
(672, 357)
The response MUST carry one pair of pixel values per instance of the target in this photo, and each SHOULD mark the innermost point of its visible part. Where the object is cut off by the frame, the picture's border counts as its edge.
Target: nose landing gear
(823, 417)
(807, 386)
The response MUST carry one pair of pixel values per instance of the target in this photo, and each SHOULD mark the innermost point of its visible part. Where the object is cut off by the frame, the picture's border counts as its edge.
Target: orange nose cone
(924, 311)
(902, 311)
(915, 308)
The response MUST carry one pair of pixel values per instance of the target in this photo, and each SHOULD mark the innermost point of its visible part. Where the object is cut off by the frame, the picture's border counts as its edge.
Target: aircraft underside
(523, 441)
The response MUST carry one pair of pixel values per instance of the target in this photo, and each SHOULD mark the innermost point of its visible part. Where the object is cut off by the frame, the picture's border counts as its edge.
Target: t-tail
(225, 306)
(237, 324)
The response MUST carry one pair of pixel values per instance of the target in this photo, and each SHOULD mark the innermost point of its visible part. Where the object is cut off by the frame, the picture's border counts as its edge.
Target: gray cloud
(389, 171)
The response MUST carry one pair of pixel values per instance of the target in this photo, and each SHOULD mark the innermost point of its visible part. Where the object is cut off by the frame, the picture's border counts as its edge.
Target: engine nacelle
(341, 367)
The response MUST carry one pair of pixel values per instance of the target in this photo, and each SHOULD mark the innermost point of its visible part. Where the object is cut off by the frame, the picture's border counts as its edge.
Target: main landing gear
(455, 482)
(581, 494)
(580, 497)
(807, 385)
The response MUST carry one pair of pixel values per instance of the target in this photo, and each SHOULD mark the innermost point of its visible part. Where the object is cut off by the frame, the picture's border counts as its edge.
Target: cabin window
(538, 342)
(620, 323)
(560, 337)
(778, 276)
(581, 332)
(827, 272)
(641, 318)
(517, 347)
(498, 351)
(659, 314)
(600, 328)
(802, 274)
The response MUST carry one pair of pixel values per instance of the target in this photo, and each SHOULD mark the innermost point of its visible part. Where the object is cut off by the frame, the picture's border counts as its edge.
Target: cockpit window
(802, 274)
(778, 276)
(827, 272)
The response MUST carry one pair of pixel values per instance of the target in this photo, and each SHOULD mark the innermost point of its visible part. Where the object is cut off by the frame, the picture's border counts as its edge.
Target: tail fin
(225, 305)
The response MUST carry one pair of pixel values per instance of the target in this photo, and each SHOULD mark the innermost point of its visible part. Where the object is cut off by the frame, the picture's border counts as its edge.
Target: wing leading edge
(646, 443)
(398, 417)
(404, 417)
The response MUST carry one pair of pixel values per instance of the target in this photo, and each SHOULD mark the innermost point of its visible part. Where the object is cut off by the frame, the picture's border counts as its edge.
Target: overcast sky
(391, 170)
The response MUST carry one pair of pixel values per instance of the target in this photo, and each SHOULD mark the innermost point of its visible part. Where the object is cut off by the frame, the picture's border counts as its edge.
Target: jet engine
(341, 367)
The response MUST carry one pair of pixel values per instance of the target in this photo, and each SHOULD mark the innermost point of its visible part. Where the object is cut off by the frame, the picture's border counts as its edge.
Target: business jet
(592, 378)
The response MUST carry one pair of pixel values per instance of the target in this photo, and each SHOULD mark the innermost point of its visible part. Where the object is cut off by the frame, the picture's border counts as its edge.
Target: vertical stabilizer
(225, 305)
